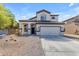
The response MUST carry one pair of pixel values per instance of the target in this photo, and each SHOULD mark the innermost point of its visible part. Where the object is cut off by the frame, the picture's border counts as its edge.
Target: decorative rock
(6, 40)
(11, 38)
(14, 40)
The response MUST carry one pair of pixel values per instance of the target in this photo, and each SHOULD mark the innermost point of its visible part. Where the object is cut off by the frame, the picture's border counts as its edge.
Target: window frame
(53, 17)
(25, 27)
(43, 17)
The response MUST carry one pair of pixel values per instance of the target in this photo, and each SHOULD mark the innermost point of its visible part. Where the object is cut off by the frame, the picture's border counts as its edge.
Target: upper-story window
(53, 17)
(43, 18)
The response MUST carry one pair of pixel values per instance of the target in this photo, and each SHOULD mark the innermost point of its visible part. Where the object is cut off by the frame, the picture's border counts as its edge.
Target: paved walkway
(60, 46)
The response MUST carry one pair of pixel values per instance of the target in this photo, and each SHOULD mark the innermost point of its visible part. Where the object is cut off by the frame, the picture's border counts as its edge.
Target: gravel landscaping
(12, 45)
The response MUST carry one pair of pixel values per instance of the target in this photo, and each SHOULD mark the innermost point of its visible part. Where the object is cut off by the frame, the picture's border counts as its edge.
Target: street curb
(71, 37)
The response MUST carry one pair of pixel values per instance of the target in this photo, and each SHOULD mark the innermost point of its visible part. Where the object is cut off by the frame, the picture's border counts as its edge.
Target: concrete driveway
(59, 46)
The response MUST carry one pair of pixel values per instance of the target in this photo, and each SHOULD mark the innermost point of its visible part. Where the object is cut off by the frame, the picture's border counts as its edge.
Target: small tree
(7, 19)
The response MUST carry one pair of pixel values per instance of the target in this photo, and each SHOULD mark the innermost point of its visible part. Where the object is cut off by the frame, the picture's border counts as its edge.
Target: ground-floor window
(25, 27)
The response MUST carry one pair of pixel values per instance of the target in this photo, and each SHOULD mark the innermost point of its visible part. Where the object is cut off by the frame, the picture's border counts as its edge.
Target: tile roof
(42, 11)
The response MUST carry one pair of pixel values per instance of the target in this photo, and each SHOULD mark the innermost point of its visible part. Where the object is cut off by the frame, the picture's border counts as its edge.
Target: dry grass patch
(16, 46)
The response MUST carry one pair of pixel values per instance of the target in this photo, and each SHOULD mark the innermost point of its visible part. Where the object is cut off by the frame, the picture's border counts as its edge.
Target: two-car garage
(50, 30)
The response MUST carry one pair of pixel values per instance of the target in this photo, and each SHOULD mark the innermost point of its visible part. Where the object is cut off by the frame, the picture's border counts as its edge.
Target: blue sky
(28, 10)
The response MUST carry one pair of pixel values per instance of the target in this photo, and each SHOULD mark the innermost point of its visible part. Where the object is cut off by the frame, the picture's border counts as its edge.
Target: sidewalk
(72, 36)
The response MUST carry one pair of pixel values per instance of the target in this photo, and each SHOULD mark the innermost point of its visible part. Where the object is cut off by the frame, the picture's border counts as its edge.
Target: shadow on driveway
(56, 38)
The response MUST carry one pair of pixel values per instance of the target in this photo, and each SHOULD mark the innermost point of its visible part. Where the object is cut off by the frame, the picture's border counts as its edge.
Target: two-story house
(44, 23)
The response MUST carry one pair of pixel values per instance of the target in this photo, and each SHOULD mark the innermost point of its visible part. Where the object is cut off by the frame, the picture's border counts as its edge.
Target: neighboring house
(72, 25)
(44, 23)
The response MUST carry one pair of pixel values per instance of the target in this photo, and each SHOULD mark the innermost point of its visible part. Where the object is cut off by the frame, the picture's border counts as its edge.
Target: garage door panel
(50, 30)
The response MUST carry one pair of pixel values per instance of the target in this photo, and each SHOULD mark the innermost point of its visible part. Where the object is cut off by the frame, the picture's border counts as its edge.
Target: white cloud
(68, 14)
(62, 15)
(71, 4)
(27, 16)
(23, 17)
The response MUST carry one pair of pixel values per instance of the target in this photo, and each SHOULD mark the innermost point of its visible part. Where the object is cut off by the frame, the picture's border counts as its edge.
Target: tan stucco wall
(72, 25)
(48, 16)
(70, 28)
(22, 27)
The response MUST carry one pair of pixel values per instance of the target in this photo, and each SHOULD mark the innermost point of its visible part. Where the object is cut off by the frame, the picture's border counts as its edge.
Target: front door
(33, 30)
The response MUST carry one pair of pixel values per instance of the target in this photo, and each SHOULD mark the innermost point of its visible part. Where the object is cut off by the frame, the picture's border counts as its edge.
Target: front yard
(21, 46)
(12, 45)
